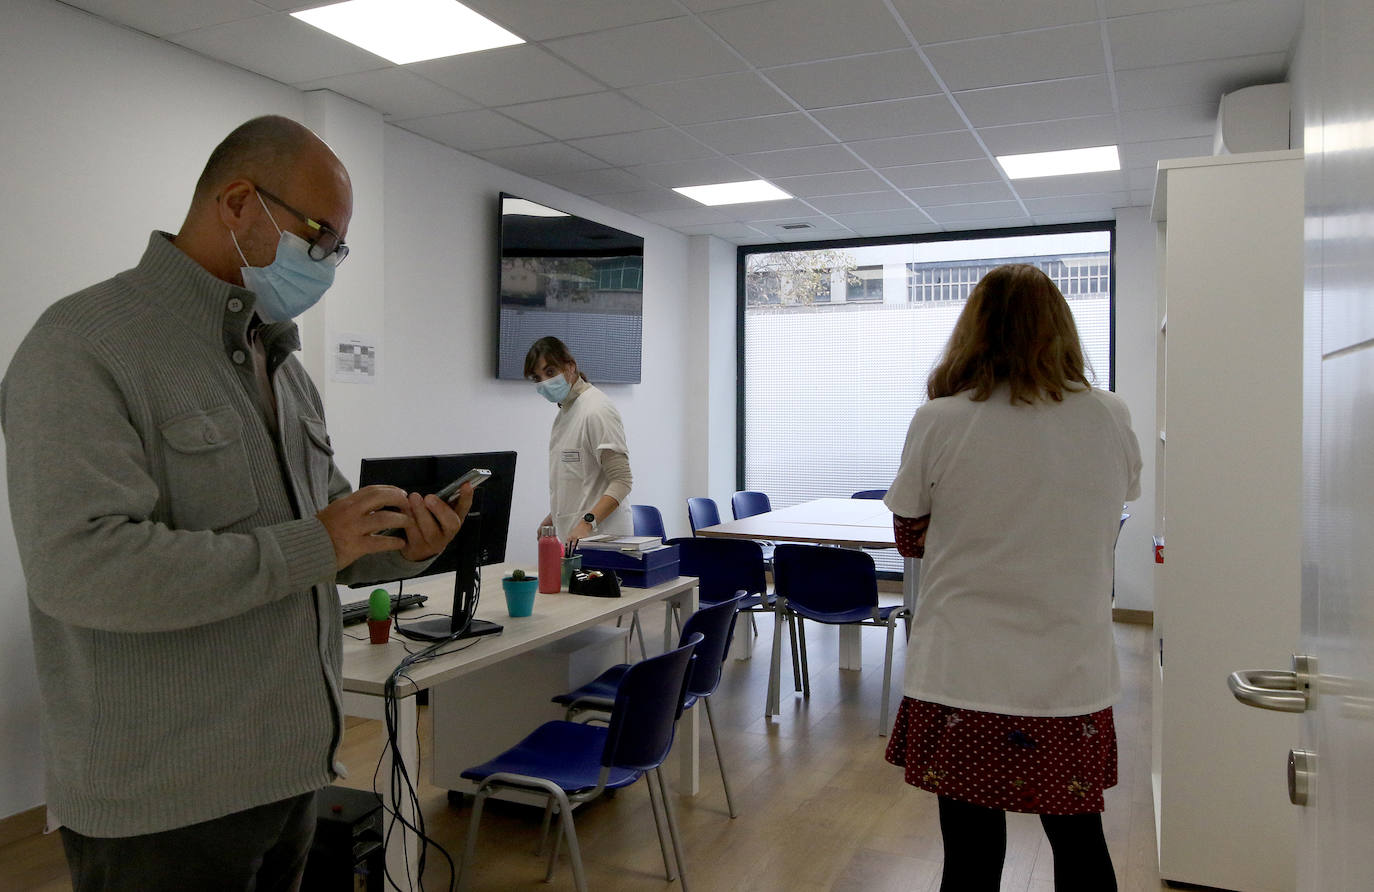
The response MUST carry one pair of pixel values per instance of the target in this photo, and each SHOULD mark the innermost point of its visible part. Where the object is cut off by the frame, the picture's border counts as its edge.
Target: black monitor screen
(489, 518)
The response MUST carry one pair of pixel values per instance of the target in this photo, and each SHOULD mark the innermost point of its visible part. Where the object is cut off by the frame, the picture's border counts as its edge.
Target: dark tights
(976, 844)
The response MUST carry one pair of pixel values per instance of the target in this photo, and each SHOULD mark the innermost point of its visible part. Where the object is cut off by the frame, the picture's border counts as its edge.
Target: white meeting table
(366, 668)
(854, 523)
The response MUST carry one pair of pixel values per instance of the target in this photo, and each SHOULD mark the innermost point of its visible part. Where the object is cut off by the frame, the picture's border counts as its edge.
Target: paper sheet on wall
(353, 359)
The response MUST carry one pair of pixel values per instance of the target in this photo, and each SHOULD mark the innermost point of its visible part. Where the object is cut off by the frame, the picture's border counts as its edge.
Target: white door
(1335, 67)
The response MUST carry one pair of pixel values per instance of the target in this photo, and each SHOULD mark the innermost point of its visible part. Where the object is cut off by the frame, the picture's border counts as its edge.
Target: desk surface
(862, 523)
(366, 666)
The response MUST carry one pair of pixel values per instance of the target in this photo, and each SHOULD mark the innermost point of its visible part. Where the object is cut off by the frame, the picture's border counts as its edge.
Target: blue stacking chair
(836, 586)
(716, 624)
(702, 512)
(869, 494)
(747, 503)
(648, 521)
(572, 762)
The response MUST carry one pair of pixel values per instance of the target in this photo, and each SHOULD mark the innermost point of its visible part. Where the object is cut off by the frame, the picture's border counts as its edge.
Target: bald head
(275, 154)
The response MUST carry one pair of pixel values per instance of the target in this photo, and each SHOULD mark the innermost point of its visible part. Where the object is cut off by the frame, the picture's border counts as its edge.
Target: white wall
(106, 131)
(1136, 324)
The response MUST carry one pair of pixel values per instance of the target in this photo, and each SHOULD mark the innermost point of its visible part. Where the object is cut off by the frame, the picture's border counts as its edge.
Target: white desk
(856, 523)
(366, 667)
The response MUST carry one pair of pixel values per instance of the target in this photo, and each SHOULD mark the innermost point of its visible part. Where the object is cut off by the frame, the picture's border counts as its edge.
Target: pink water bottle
(550, 560)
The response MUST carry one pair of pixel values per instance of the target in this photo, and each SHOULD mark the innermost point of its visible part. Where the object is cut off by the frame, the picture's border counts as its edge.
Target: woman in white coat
(589, 461)
(1011, 483)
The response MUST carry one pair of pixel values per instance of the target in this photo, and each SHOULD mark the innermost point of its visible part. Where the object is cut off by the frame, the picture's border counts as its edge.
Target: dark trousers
(976, 844)
(261, 849)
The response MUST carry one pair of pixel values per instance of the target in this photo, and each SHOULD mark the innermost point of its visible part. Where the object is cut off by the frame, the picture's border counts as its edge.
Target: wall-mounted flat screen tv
(575, 279)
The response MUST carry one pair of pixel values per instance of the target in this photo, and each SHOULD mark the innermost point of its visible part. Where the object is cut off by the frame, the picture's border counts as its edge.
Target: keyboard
(355, 612)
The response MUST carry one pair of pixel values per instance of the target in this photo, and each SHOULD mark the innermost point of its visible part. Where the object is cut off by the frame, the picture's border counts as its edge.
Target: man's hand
(435, 523)
(352, 520)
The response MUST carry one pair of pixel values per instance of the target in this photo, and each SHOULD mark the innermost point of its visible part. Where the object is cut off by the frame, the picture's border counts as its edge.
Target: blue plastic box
(643, 569)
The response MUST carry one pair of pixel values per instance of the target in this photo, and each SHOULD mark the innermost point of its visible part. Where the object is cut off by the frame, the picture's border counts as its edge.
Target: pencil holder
(569, 565)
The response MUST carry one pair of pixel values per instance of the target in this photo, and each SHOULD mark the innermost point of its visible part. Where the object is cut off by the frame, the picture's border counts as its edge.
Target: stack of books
(633, 544)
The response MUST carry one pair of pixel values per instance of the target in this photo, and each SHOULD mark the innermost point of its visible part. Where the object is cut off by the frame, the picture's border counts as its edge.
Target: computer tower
(348, 854)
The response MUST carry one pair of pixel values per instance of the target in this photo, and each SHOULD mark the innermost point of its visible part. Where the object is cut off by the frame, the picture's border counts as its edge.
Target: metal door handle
(1269, 689)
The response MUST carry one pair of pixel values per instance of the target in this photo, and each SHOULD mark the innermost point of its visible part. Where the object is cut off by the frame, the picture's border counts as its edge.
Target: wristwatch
(590, 518)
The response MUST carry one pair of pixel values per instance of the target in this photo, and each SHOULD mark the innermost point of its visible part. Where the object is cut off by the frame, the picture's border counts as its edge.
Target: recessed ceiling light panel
(733, 193)
(1053, 164)
(405, 31)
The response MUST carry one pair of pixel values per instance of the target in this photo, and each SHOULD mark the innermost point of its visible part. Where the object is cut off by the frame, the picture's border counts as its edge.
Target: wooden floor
(819, 809)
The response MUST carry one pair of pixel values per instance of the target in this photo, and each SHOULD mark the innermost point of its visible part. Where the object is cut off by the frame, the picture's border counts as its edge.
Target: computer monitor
(481, 541)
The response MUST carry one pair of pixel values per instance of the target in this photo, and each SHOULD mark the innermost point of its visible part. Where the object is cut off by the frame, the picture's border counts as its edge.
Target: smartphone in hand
(477, 476)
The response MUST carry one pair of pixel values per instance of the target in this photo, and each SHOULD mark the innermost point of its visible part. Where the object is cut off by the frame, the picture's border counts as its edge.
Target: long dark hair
(1016, 329)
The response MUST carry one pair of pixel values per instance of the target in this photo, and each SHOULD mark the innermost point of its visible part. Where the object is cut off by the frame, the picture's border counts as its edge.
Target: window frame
(743, 252)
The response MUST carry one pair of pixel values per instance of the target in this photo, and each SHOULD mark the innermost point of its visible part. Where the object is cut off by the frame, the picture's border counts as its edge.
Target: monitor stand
(467, 587)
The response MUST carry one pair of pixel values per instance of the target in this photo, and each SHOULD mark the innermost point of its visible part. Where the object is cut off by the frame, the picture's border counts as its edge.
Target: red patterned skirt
(1045, 765)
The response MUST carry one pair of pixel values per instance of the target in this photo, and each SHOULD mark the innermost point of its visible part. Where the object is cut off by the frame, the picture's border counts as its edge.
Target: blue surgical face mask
(290, 284)
(555, 389)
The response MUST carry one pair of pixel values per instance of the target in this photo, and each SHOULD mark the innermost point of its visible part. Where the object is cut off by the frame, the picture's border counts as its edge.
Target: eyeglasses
(328, 245)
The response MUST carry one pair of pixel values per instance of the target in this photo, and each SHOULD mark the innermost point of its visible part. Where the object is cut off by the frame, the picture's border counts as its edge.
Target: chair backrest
(723, 566)
(825, 578)
(747, 503)
(716, 625)
(869, 494)
(702, 512)
(648, 703)
(648, 521)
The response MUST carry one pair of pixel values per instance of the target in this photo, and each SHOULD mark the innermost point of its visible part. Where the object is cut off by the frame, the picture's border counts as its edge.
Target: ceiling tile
(716, 98)
(816, 185)
(545, 19)
(755, 211)
(591, 114)
(1141, 177)
(394, 92)
(697, 216)
(896, 117)
(918, 176)
(646, 201)
(1169, 123)
(160, 18)
(541, 159)
(895, 222)
(954, 146)
(789, 131)
(1050, 136)
(644, 147)
(1023, 58)
(651, 53)
(932, 21)
(473, 131)
(1237, 28)
(1098, 205)
(891, 75)
(964, 193)
(1196, 83)
(595, 182)
(698, 172)
(736, 233)
(507, 75)
(1045, 101)
(1071, 184)
(796, 162)
(967, 213)
(1116, 8)
(817, 228)
(281, 48)
(869, 201)
(777, 32)
(1141, 154)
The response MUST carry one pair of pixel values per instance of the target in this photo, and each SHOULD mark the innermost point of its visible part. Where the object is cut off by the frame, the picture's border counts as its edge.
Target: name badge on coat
(571, 455)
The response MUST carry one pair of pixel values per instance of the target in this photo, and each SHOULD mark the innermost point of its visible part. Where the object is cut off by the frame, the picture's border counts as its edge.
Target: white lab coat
(585, 425)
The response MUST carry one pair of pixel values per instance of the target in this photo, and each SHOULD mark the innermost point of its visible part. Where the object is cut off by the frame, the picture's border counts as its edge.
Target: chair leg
(660, 827)
(544, 827)
(792, 622)
(754, 624)
(720, 759)
(636, 625)
(565, 820)
(887, 679)
(470, 849)
(805, 671)
(555, 848)
(672, 829)
(775, 665)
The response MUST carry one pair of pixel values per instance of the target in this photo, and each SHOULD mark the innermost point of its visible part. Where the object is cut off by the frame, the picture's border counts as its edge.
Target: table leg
(403, 850)
(851, 648)
(772, 707)
(687, 742)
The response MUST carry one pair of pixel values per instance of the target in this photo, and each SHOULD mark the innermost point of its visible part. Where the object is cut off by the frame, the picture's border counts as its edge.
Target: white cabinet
(1228, 473)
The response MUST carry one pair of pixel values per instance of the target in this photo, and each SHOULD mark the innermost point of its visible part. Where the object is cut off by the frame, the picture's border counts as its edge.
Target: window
(828, 387)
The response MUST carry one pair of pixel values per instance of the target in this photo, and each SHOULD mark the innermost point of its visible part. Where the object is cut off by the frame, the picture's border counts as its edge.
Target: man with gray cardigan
(181, 524)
